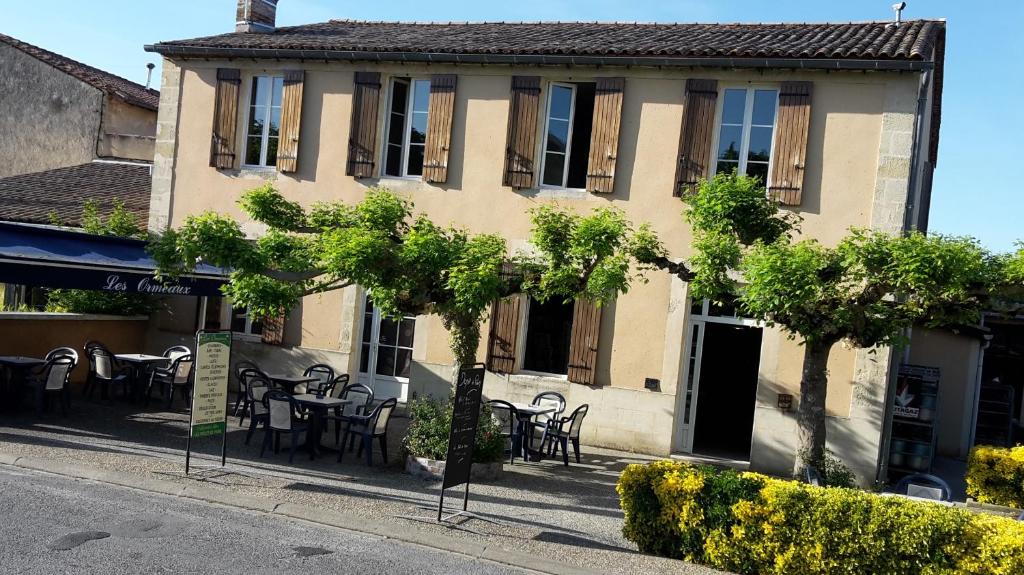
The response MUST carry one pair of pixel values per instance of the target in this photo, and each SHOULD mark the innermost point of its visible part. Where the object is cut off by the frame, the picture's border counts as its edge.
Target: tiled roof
(911, 40)
(63, 191)
(130, 92)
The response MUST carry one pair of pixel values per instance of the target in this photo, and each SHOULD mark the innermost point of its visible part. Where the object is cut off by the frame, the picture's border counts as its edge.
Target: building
(477, 123)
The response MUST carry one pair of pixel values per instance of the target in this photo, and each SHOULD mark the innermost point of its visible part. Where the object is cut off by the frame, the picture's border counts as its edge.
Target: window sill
(251, 338)
(557, 193)
(260, 172)
(536, 378)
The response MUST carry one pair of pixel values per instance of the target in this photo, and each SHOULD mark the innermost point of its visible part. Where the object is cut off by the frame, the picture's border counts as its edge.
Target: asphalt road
(51, 524)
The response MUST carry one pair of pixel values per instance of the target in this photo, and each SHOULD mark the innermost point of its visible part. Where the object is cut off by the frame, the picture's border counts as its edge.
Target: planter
(433, 469)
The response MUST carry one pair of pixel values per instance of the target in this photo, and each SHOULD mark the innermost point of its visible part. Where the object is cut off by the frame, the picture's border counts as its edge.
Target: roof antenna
(149, 73)
(898, 8)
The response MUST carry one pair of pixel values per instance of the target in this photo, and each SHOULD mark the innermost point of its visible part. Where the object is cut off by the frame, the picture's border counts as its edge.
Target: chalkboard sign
(462, 437)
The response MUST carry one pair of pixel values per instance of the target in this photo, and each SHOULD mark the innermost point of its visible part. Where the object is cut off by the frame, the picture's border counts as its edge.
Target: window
(566, 142)
(386, 344)
(264, 125)
(243, 323)
(745, 135)
(407, 127)
(548, 332)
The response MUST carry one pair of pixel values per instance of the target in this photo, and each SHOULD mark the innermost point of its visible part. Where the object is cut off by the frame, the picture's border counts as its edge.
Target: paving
(568, 515)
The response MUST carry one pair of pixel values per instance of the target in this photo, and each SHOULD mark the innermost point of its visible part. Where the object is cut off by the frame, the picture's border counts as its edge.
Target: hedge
(996, 475)
(752, 524)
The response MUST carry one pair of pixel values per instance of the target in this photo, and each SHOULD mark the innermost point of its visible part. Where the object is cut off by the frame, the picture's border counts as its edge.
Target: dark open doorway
(727, 389)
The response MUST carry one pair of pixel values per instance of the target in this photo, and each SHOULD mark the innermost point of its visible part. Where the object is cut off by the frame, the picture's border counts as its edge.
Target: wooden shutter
(362, 134)
(225, 119)
(604, 138)
(273, 329)
(521, 142)
(439, 127)
(586, 327)
(790, 148)
(291, 118)
(697, 134)
(504, 333)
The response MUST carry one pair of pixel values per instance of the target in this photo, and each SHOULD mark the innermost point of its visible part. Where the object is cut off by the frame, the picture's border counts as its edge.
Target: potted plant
(426, 441)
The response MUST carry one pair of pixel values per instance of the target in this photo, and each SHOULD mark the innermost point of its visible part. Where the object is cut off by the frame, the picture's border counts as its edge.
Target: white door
(386, 353)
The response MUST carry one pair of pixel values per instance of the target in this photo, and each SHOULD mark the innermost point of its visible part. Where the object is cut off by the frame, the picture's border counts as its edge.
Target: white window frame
(544, 137)
(370, 377)
(229, 321)
(266, 121)
(524, 326)
(745, 128)
(407, 131)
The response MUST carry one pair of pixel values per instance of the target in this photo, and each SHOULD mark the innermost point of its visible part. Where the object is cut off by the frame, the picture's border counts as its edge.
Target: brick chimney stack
(258, 16)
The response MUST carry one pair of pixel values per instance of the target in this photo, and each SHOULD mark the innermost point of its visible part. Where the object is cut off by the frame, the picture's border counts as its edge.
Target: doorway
(385, 352)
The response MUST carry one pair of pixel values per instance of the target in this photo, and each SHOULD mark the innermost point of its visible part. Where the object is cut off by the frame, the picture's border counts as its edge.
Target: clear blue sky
(982, 124)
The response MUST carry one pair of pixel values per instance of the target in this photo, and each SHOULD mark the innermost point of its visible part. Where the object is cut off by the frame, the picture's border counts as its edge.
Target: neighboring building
(477, 123)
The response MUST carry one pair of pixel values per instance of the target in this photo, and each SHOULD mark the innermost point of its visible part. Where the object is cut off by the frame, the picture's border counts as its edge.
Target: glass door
(386, 353)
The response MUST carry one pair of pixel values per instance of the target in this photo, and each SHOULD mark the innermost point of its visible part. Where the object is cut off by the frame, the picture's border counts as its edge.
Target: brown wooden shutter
(586, 327)
(521, 142)
(790, 148)
(697, 134)
(439, 127)
(291, 118)
(362, 134)
(604, 138)
(273, 329)
(504, 333)
(225, 119)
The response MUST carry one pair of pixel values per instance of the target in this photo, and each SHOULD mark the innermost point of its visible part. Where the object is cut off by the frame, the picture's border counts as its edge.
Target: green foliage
(122, 223)
(832, 471)
(996, 475)
(751, 524)
(430, 423)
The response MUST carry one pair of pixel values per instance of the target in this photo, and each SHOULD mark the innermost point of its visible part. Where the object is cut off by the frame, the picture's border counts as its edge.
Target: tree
(867, 290)
(408, 263)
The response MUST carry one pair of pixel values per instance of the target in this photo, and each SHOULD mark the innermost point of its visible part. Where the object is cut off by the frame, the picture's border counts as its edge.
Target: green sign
(210, 392)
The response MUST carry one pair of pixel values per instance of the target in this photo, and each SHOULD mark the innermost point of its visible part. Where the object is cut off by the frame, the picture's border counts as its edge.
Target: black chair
(51, 378)
(362, 398)
(178, 375)
(175, 351)
(927, 481)
(244, 370)
(374, 425)
(257, 386)
(325, 378)
(284, 416)
(104, 371)
(540, 423)
(63, 352)
(507, 417)
(560, 436)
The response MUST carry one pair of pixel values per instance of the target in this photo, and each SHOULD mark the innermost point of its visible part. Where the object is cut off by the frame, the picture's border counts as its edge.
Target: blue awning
(48, 256)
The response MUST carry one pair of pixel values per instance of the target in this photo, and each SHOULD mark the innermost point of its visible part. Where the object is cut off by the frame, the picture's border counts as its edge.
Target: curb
(294, 511)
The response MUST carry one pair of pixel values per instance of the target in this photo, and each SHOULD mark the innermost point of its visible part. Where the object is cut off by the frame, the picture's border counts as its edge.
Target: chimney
(258, 16)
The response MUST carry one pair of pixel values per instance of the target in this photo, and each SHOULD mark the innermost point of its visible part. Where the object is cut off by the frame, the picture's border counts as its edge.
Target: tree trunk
(811, 412)
(464, 338)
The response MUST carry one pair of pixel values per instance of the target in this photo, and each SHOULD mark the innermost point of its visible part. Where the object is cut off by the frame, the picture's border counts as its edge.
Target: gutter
(202, 52)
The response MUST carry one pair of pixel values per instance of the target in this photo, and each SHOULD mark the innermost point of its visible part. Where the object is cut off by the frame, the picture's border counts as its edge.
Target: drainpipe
(977, 387)
(913, 194)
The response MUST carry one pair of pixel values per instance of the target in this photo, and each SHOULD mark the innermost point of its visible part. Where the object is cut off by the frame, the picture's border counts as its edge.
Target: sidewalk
(546, 511)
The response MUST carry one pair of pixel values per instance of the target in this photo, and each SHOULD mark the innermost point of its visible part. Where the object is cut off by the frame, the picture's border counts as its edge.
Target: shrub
(430, 423)
(996, 475)
(748, 523)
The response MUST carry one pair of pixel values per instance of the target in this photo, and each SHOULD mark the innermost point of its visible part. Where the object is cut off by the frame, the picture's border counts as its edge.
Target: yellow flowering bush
(996, 475)
(752, 524)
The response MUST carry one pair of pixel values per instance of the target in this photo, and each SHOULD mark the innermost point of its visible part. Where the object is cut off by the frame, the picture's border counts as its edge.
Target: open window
(547, 336)
(408, 116)
(244, 324)
(567, 132)
(263, 129)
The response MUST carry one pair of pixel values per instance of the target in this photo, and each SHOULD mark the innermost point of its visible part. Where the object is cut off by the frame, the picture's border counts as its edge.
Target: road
(52, 524)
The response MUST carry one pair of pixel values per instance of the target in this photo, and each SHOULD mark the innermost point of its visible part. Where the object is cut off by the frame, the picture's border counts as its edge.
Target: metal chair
(177, 376)
(924, 485)
(257, 386)
(51, 378)
(370, 427)
(559, 436)
(507, 416)
(325, 378)
(284, 416)
(104, 371)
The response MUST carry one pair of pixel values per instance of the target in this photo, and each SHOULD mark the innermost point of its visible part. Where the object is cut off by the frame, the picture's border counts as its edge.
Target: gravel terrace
(567, 514)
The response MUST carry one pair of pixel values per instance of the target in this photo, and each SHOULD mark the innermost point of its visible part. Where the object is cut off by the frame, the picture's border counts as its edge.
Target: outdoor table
(526, 413)
(318, 407)
(291, 381)
(140, 363)
(15, 366)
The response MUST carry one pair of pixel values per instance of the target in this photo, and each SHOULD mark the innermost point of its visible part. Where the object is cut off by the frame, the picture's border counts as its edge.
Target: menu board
(462, 437)
(210, 394)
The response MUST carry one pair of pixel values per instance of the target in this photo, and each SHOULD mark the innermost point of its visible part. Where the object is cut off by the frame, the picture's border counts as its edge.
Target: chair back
(926, 486)
(360, 395)
(339, 384)
(181, 369)
(549, 399)
(57, 371)
(576, 421)
(101, 362)
(240, 369)
(282, 409)
(382, 415)
(505, 414)
(324, 375)
(89, 345)
(257, 386)
(176, 351)
(63, 352)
